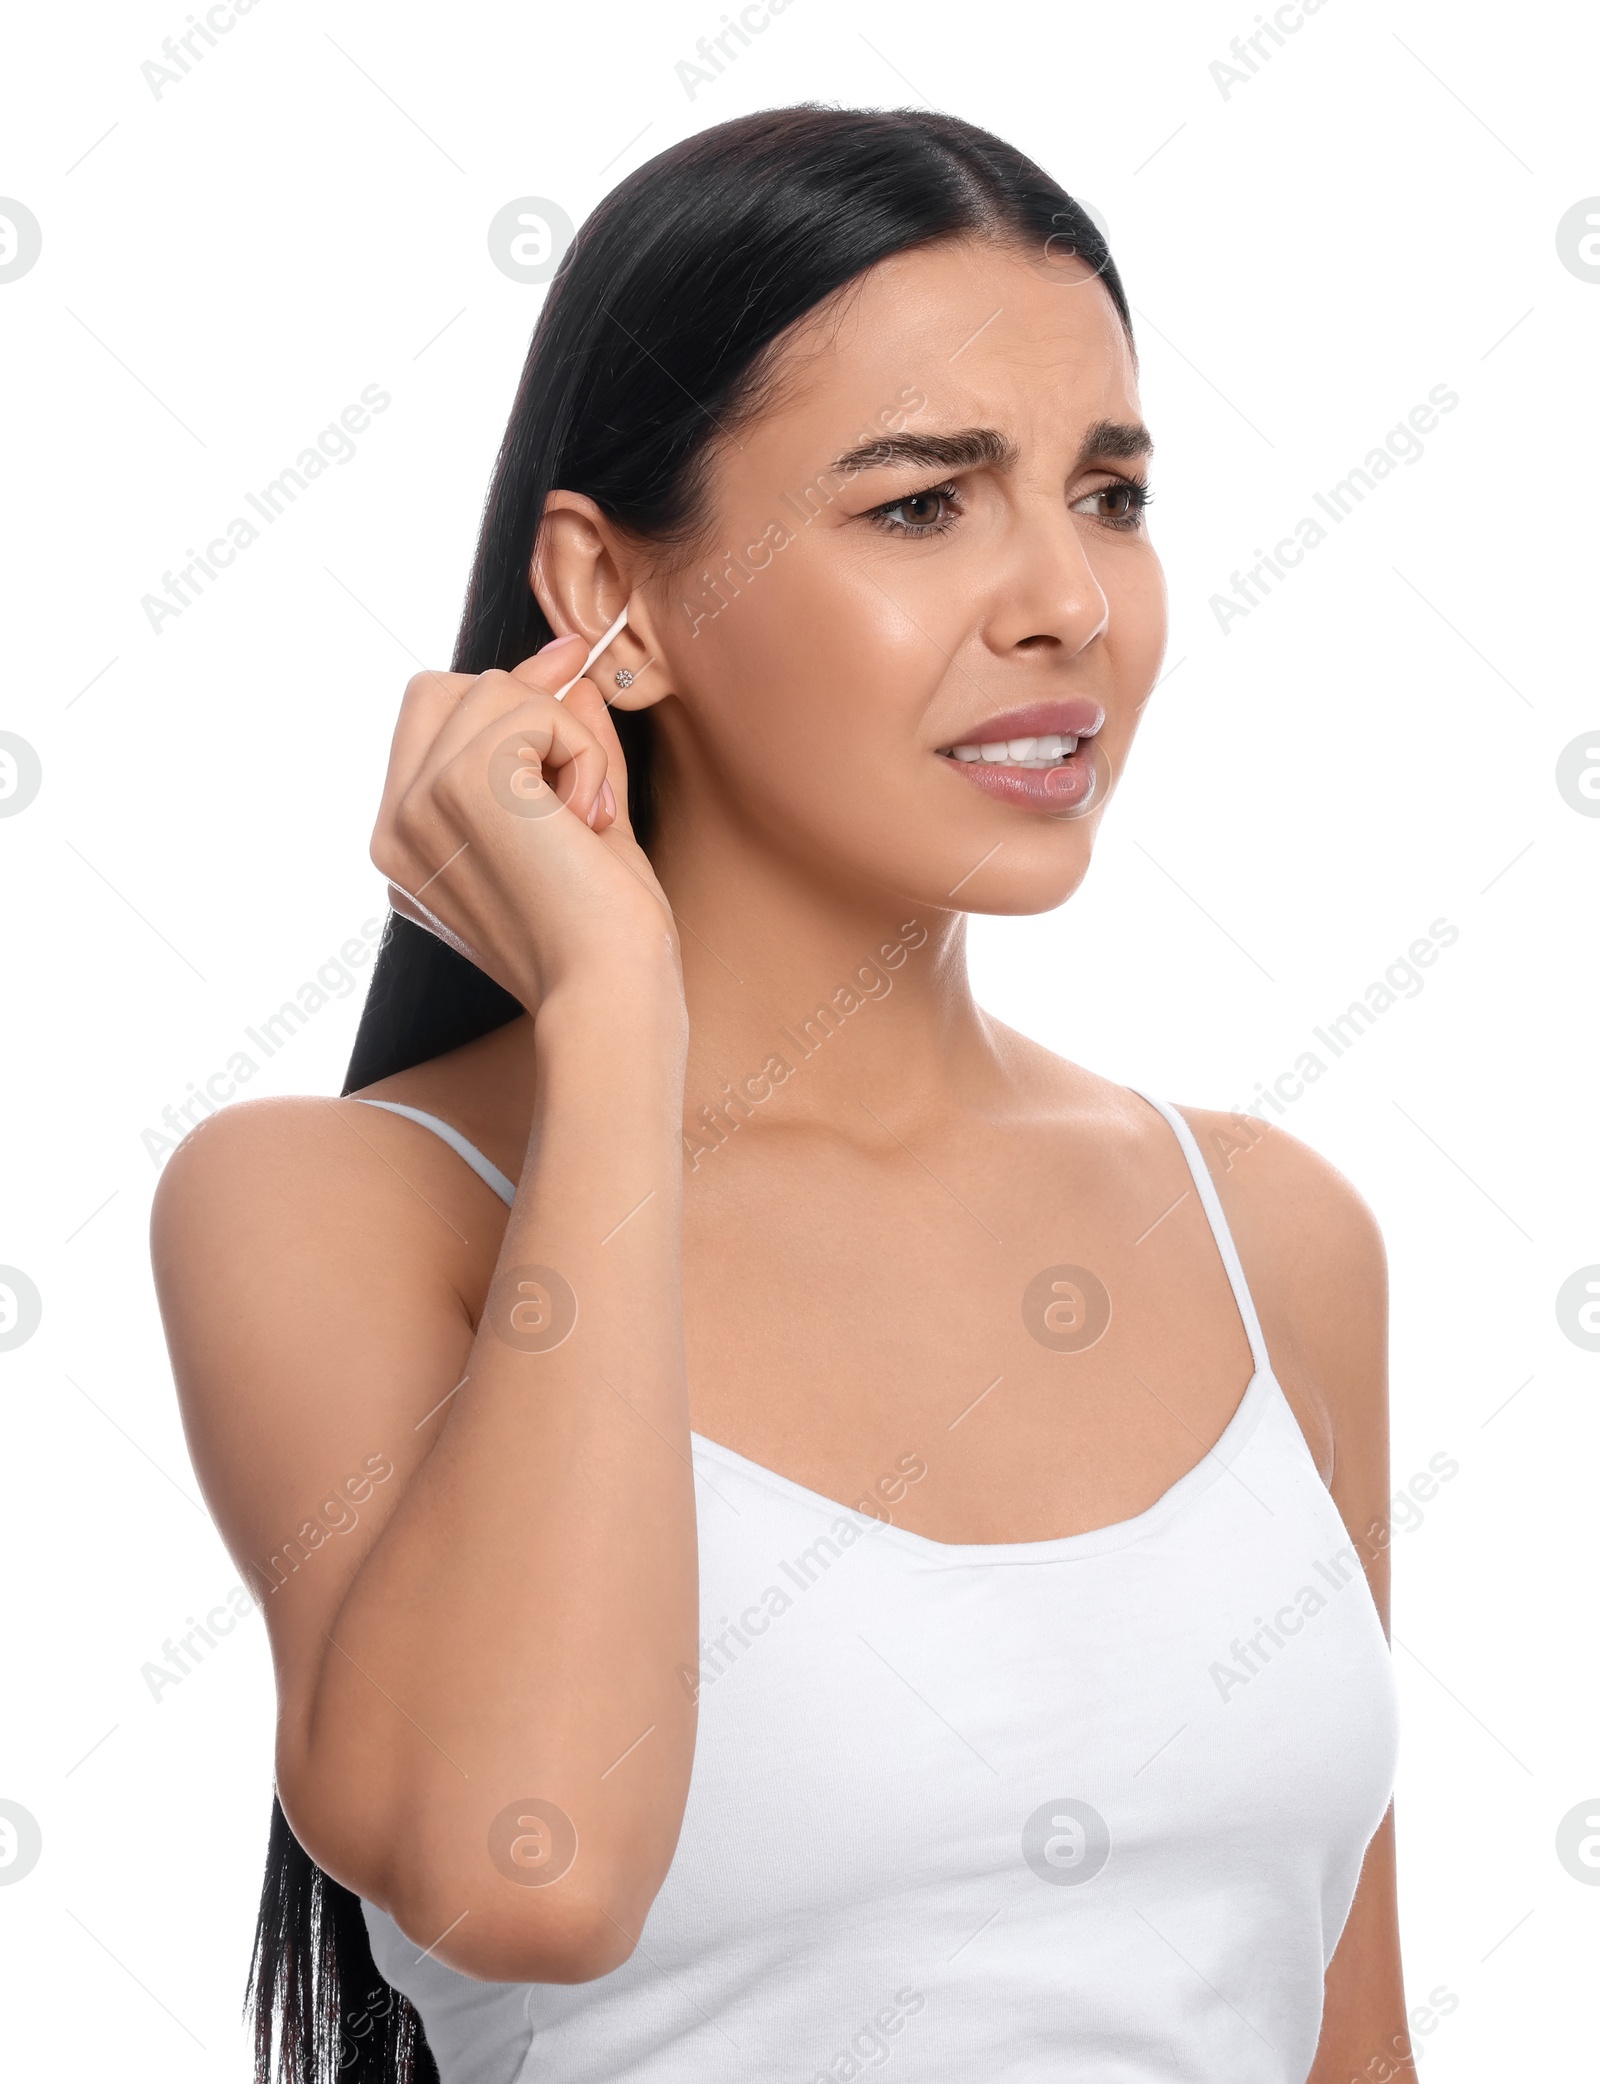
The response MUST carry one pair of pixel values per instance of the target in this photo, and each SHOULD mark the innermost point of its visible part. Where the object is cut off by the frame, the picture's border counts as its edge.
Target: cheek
(807, 663)
(1136, 627)
(1137, 598)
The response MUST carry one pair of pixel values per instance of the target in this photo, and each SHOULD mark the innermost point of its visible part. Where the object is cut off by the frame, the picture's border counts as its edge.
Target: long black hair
(656, 338)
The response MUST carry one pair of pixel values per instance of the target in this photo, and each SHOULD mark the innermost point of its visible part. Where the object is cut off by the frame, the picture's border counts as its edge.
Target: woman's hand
(504, 830)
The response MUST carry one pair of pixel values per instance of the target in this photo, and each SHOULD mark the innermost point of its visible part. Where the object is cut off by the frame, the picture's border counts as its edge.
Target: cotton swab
(620, 623)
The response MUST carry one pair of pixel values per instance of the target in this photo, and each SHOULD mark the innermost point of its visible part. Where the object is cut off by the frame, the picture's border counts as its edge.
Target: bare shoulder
(1292, 1213)
(1309, 1243)
(223, 1168)
(319, 1168)
(1314, 1258)
(1305, 1213)
(312, 1197)
(274, 1216)
(258, 1173)
(319, 1266)
(1312, 1253)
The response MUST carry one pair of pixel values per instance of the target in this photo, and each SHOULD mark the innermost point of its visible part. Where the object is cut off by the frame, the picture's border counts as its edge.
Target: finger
(429, 700)
(496, 693)
(536, 745)
(589, 705)
(553, 665)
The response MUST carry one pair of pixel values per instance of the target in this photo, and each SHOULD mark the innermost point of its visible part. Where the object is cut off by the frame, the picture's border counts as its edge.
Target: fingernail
(595, 809)
(608, 800)
(555, 642)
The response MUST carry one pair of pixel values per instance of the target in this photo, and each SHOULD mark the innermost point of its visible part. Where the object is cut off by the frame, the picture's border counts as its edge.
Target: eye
(919, 513)
(1122, 503)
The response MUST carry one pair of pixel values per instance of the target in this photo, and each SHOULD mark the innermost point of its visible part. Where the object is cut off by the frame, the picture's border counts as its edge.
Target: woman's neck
(849, 1013)
(809, 1004)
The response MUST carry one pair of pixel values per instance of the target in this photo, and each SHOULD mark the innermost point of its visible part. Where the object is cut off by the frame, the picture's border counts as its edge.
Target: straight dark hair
(657, 339)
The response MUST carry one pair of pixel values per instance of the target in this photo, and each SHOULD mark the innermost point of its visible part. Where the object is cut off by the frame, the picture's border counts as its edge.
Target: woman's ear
(580, 574)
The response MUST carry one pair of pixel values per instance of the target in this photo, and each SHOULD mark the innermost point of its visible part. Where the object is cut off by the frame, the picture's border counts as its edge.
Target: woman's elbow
(495, 1919)
(571, 1931)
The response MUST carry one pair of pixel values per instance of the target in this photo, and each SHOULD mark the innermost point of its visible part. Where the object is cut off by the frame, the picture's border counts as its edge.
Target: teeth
(1043, 751)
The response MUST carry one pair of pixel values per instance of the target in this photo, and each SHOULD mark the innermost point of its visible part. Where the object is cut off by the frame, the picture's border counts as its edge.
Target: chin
(1020, 888)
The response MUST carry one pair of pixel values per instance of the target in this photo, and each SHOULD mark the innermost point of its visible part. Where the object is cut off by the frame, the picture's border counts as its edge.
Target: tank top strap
(491, 1175)
(1205, 1187)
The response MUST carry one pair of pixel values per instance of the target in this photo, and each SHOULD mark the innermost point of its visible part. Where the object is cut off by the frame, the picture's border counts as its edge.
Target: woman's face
(931, 539)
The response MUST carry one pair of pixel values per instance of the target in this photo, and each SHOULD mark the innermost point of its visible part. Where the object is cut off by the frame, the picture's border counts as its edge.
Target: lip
(1067, 788)
(1075, 716)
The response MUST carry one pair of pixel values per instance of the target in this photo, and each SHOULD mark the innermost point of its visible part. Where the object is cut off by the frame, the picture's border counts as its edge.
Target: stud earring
(624, 678)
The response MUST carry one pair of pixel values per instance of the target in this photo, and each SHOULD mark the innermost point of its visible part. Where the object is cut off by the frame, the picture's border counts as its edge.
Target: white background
(227, 265)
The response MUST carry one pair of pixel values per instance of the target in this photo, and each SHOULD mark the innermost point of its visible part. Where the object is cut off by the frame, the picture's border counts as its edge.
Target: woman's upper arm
(308, 1289)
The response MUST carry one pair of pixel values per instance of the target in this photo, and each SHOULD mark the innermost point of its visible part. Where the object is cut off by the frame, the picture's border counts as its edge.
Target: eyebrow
(978, 448)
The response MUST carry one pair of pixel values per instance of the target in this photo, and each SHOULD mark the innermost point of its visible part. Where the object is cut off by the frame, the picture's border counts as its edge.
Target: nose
(1047, 600)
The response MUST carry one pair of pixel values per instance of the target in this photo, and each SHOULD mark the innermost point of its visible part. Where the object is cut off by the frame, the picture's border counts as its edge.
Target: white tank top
(1004, 1813)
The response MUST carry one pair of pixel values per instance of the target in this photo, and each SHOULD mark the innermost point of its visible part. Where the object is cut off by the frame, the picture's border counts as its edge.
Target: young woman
(859, 1537)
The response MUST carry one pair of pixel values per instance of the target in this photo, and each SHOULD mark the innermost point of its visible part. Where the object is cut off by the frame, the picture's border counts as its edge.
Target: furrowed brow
(968, 448)
(1122, 441)
(978, 448)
